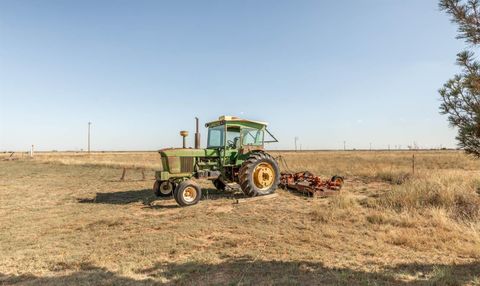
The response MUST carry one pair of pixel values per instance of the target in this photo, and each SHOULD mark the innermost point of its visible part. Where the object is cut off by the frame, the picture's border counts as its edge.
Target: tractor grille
(186, 164)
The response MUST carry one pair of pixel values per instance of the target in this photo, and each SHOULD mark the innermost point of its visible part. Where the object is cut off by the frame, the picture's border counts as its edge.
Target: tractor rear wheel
(187, 193)
(259, 175)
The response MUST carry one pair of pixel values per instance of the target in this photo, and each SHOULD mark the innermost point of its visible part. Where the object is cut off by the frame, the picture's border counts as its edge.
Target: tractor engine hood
(184, 152)
(182, 161)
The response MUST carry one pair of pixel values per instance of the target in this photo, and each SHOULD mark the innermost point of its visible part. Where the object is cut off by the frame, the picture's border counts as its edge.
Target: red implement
(306, 182)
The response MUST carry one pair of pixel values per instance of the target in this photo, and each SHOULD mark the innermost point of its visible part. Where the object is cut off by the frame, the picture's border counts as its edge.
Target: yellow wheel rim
(263, 176)
(189, 194)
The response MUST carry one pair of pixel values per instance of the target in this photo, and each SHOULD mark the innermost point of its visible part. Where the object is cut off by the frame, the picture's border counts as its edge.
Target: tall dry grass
(389, 166)
(455, 192)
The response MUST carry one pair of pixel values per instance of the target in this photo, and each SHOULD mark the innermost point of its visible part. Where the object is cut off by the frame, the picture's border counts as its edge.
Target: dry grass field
(66, 219)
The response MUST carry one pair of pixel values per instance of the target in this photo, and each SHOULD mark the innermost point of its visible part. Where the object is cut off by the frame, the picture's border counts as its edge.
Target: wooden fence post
(124, 173)
(413, 164)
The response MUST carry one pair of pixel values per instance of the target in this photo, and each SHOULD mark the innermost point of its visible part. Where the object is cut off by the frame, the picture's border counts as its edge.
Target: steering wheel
(233, 144)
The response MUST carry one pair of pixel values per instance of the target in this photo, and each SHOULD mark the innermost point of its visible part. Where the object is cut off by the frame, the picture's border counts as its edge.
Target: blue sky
(326, 71)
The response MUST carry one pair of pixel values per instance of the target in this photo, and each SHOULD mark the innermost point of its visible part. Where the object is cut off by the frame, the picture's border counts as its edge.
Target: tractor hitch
(306, 182)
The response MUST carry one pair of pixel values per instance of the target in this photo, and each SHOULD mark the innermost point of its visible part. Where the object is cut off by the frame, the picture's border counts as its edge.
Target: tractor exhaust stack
(197, 135)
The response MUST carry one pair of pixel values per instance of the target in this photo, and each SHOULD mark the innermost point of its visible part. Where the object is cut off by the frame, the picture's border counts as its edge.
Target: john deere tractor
(234, 156)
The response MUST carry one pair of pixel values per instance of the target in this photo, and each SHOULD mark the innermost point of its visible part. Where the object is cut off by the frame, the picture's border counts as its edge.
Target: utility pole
(89, 123)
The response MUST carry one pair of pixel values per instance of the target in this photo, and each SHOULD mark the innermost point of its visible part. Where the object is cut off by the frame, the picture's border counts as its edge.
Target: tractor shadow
(208, 194)
(144, 196)
(212, 194)
(147, 198)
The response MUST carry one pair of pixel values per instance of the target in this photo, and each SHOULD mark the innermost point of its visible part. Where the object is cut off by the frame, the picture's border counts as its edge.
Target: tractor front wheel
(187, 193)
(259, 175)
(163, 189)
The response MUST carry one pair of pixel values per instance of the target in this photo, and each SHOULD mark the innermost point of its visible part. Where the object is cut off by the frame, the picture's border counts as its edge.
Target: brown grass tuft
(393, 177)
(454, 193)
(343, 200)
(467, 206)
(443, 275)
(377, 218)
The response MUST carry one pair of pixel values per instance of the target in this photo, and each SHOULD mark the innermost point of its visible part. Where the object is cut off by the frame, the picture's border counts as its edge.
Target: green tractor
(234, 156)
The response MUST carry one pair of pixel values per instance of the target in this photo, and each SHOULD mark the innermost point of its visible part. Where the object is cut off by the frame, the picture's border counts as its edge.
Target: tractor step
(233, 187)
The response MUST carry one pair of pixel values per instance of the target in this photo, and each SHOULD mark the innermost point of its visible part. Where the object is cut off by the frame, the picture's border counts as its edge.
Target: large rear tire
(187, 193)
(259, 175)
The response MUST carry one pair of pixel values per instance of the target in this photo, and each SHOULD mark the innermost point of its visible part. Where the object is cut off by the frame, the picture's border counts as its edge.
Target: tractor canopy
(235, 133)
(232, 120)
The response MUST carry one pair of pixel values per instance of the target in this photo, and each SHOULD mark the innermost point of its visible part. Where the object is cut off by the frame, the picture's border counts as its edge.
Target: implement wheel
(259, 175)
(337, 182)
(187, 193)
